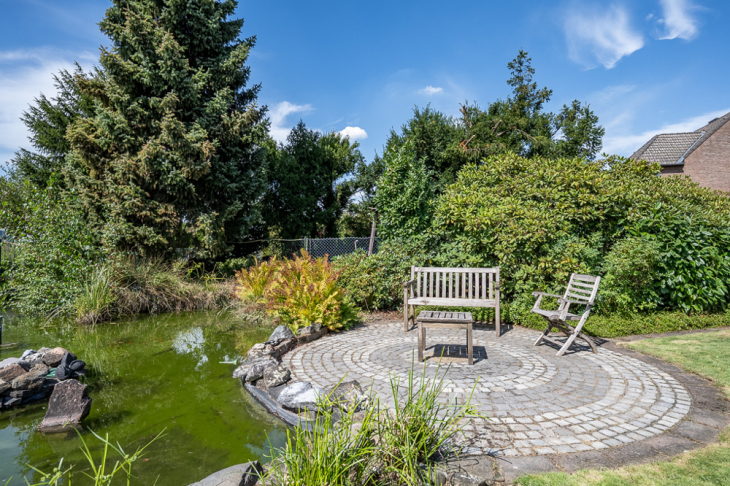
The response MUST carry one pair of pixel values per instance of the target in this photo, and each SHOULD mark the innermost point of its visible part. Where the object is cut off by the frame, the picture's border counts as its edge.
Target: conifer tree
(172, 157)
(47, 121)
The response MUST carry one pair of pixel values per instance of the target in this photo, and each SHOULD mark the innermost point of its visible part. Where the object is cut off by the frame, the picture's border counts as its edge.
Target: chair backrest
(582, 288)
(456, 283)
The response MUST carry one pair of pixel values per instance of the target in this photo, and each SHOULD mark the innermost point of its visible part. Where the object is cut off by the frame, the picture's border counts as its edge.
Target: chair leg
(566, 345)
(590, 342)
(545, 333)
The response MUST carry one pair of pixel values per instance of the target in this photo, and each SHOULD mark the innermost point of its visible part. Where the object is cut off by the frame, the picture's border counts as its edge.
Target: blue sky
(645, 67)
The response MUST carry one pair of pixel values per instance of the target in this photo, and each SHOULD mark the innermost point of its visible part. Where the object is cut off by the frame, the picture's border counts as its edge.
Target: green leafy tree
(172, 156)
(405, 195)
(47, 121)
(54, 250)
(307, 194)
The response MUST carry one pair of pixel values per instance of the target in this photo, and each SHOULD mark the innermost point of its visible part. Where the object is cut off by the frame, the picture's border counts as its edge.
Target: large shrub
(542, 219)
(53, 250)
(300, 292)
(376, 282)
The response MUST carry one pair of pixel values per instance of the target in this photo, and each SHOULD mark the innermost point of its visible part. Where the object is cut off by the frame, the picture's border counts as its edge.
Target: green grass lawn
(707, 354)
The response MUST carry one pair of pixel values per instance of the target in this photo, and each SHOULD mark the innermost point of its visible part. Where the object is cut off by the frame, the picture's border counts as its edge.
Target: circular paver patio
(536, 402)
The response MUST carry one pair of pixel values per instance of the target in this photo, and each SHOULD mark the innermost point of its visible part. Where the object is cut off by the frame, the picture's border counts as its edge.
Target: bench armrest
(543, 294)
(410, 282)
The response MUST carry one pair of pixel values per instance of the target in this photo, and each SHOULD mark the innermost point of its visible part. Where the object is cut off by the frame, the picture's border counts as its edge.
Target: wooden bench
(445, 320)
(451, 287)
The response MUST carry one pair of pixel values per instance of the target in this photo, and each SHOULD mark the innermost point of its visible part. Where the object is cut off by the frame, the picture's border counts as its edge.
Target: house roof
(673, 148)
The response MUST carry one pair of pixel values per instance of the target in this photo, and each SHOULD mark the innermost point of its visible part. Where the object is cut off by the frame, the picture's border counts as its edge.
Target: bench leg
(545, 333)
(497, 323)
(421, 341)
(590, 342)
(470, 343)
(405, 310)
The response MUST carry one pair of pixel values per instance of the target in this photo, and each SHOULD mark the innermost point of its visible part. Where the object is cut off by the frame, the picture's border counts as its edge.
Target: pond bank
(153, 373)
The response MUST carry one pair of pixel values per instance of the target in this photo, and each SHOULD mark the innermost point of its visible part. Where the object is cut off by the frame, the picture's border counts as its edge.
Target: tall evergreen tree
(307, 195)
(172, 156)
(47, 121)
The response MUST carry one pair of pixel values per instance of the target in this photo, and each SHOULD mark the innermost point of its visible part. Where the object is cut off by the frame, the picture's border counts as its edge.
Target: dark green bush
(542, 219)
(54, 251)
(376, 282)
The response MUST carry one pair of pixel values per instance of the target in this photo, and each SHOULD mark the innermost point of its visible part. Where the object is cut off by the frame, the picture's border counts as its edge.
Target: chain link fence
(317, 247)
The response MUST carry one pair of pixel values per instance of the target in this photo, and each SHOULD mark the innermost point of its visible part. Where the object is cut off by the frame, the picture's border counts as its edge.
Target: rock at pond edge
(240, 475)
(276, 376)
(68, 406)
(280, 334)
(53, 357)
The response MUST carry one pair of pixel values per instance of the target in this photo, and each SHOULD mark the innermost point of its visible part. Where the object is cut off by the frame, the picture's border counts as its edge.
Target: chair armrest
(543, 294)
(410, 282)
(578, 302)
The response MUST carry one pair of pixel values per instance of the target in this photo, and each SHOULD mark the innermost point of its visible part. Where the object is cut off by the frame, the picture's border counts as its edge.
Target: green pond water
(146, 375)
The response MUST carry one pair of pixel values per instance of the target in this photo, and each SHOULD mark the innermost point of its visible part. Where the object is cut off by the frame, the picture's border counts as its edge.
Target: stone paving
(537, 403)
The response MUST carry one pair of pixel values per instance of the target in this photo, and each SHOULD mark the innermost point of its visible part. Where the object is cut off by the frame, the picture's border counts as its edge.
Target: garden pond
(147, 375)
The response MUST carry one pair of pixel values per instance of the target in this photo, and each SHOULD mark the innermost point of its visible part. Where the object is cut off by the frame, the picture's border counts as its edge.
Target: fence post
(372, 236)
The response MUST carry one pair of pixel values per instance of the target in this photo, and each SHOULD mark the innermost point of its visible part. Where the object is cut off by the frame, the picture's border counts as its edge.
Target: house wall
(709, 164)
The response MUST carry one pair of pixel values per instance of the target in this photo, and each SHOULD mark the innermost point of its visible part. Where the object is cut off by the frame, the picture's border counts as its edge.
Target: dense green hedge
(661, 244)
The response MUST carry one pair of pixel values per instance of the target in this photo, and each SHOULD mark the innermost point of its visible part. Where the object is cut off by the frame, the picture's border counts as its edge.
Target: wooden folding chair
(582, 290)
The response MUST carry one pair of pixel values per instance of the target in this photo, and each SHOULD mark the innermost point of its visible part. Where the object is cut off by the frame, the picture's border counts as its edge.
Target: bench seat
(452, 302)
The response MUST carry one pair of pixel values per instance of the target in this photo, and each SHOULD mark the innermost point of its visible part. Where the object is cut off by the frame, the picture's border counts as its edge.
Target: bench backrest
(456, 283)
(582, 288)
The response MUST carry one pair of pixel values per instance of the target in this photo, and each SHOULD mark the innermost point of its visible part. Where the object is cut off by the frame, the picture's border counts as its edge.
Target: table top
(441, 316)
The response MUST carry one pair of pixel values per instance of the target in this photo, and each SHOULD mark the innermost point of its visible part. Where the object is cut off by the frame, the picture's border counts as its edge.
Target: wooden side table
(445, 320)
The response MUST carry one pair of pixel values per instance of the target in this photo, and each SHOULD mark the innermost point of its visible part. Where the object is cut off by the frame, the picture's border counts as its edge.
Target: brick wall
(709, 164)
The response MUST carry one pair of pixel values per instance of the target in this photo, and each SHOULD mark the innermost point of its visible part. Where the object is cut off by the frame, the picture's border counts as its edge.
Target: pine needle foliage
(171, 157)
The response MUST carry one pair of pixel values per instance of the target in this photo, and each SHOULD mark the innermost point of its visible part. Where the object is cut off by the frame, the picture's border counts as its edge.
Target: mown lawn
(707, 354)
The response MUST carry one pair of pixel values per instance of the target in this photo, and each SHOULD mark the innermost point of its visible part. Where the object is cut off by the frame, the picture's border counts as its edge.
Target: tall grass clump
(399, 446)
(300, 292)
(129, 286)
(103, 471)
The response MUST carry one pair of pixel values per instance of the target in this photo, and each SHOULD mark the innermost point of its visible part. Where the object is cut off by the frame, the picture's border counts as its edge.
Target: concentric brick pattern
(536, 402)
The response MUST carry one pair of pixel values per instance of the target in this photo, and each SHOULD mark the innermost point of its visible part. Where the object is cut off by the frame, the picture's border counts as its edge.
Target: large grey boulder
(11, 372)
(53, 357)
(300, 396)
(276, 376)
(9, 361)
(27, 353)
(311, 329)
(31, 380)
(4, 386)
(260, 350)
(68, 406)
(254, 368)
(259, 368)
(280, 334)
(240, 475)
(348, 396)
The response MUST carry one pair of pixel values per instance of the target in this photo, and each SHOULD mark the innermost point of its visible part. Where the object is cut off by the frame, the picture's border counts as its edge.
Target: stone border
(708, 416)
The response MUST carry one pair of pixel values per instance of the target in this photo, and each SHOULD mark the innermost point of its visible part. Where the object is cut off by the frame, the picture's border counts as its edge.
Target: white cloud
(604, 35)
(628, 144)
(354, 133)
(278, 117)
(431, 90)
(678, 20)
(25, 74)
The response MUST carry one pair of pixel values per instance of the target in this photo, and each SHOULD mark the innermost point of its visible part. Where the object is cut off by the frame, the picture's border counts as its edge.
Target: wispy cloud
(24, 74)
(598, 34)
(677, 20)
(354, 133)
(431, 90)
(628, 144)
(278, 116)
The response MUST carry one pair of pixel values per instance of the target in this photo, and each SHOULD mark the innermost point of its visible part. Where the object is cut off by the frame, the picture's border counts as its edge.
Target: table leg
(470, 343)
